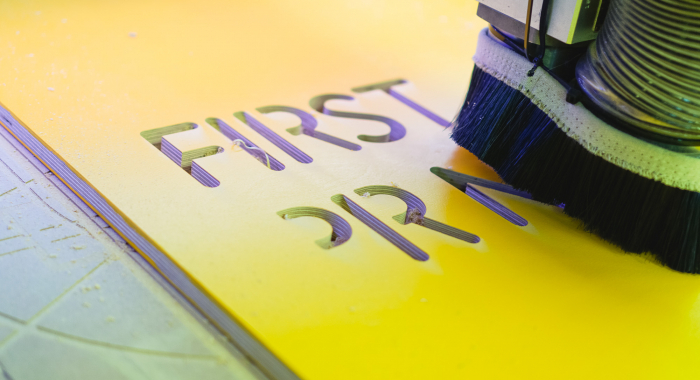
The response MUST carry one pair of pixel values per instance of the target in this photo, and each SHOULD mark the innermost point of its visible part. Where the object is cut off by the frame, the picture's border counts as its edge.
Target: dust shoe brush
(624, 160)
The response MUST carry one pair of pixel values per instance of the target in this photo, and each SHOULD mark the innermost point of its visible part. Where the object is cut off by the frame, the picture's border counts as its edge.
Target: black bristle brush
(636, 193)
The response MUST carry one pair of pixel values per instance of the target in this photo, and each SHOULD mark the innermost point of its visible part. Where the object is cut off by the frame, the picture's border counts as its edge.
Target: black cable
(573, 93)
(543, 35)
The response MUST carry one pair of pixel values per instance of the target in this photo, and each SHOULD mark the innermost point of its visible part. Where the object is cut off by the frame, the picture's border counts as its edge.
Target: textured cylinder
(644, 67)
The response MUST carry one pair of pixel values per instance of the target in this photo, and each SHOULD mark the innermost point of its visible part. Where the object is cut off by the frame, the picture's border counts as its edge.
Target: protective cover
(330, 227)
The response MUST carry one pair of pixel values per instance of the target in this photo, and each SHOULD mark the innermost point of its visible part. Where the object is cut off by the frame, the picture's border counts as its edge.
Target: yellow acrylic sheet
(545, 299)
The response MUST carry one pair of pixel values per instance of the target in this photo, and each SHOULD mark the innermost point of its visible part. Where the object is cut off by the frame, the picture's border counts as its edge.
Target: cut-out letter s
(396, 130)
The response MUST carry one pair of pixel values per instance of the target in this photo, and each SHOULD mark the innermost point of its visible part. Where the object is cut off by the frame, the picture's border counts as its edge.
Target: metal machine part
(570, 21)
(644, 69)
(559, 59)
(571, 26)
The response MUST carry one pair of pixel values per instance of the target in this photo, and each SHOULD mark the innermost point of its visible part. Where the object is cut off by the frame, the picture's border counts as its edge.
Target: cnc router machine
(268, 189)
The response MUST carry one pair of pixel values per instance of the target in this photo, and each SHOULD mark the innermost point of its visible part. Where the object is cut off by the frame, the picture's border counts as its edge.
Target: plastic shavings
(238, 143)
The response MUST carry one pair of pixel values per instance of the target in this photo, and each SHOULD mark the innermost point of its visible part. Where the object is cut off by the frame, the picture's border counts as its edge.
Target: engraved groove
(388, 88)
(261, 357)
(7, 339)
(64, 238)
(11, 237)
(379, 227)
(396, 130)
(124, 348)
(185, 160)
(232, 135)
(8, 191)
(12, 319)
(203, 176)
(308, 126)
(273, 137)
(15, 251)
(341, 228)
(51, 207)
(154, 136)
(23, 151)
(463, 182)
(415, 212)
(66, 291)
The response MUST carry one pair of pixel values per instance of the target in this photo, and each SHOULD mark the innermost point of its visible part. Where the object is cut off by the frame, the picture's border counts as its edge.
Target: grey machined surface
(76, 302)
